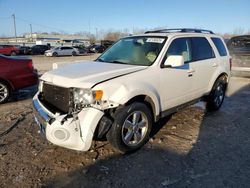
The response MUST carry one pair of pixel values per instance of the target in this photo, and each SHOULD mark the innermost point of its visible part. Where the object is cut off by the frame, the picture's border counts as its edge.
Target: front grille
(56, 98)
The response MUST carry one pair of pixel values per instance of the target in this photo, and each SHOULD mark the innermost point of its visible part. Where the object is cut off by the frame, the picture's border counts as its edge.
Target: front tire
(217, 95)
(55, 54)
(4, 92)
(74, 53)
(131, 128)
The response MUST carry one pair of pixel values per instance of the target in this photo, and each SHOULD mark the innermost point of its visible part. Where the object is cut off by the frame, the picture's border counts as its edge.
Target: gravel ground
(192, 148)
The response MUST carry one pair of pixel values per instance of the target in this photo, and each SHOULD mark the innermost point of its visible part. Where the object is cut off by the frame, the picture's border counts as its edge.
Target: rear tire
(131, 127)
(4, 92)
(217, 95)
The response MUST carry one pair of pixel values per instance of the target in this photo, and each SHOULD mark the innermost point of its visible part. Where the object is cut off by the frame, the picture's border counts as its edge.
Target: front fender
(121, 93)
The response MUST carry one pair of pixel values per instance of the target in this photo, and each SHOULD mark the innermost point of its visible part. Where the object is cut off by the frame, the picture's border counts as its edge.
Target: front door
(177, 82)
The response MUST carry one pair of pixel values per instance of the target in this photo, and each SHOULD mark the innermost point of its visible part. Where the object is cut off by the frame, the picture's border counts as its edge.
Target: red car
(9, 50)
(15, 74)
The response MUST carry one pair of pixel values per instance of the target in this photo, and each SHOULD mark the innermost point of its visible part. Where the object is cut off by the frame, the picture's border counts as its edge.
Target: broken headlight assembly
(40, 86)
(85, 97)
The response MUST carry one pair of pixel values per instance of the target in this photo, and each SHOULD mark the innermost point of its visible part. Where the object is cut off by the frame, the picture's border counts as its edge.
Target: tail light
(30, 65)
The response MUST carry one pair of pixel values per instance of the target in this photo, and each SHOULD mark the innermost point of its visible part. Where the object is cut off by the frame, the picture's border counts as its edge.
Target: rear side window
(220, 46)
(201, 49)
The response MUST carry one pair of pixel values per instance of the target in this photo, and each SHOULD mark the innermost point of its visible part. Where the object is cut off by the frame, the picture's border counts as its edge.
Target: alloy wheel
(134, 128)
(3, 92)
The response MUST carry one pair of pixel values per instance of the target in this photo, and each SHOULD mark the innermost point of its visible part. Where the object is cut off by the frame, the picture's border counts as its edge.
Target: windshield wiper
(118, 62)
(115, 61)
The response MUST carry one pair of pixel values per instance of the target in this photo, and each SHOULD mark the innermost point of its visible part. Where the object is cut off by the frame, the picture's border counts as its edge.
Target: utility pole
(14, 19)
(31, 33)
(96, 31)
(89, 26)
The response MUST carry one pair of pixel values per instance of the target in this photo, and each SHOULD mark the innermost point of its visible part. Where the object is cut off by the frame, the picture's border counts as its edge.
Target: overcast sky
(78, 15)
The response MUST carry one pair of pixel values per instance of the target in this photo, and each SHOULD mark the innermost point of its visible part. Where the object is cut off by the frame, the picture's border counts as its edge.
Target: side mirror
(174, 61)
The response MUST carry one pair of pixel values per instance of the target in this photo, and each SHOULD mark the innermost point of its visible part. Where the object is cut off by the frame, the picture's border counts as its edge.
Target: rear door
(66, 50)
(62, 51)
(69, 50)
(203, 64)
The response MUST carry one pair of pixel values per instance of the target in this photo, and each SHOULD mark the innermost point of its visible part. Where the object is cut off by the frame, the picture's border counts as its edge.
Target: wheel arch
(9, 84)
(148, 101)
(221, 74)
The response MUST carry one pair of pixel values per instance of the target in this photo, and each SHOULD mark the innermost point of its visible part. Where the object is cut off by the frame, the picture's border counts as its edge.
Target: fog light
(61, 134)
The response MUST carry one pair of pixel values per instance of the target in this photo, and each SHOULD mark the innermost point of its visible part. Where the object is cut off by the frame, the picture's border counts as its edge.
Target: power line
(40, 25)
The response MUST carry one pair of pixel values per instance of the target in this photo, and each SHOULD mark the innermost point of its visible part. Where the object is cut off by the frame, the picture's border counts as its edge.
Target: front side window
(142, 50)
(180, 46)
(201, 49)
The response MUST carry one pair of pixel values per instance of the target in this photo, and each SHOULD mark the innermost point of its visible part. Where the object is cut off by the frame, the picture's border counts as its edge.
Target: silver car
(62, 51)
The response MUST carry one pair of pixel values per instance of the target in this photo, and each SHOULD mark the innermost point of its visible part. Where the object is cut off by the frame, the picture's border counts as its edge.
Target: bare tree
(115, 35)
(239, 31)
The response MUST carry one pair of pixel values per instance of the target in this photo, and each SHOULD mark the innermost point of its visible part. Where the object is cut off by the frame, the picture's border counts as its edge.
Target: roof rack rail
(181, 30)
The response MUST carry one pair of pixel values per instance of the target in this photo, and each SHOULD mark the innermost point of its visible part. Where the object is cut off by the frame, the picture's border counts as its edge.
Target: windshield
(134, 51)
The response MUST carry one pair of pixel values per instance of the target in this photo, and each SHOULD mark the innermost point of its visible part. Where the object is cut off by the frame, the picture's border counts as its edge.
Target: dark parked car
(15, 74)
(239, 45)
(107, 43)
(9, 50)
(39, 49)
(94, 48)
(24, 50)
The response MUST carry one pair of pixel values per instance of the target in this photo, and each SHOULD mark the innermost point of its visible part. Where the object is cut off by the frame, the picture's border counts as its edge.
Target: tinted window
(220, 46)
(67, 48)
(201, 49)
(180, 46)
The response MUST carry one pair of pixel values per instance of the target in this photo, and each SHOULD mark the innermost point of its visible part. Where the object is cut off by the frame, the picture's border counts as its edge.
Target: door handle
(190, 72)
(215, 65)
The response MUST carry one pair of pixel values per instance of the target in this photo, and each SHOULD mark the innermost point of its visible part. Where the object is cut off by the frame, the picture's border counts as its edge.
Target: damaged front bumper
(73, 133)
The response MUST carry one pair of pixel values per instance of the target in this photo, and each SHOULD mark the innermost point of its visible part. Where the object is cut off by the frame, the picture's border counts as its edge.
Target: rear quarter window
(220, 46)
(201, 49)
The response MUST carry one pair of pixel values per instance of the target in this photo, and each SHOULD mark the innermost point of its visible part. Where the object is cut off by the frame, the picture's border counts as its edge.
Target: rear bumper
(76, 134)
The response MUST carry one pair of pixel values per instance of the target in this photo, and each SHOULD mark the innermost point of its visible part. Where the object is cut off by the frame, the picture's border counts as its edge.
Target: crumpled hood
(87, 74)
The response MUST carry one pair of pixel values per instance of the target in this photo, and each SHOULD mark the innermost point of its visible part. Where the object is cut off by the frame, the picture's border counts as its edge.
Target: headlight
(40, 86)
(84, 97)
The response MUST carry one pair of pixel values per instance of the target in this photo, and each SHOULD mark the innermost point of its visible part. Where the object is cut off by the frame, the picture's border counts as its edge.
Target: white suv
(133, 84)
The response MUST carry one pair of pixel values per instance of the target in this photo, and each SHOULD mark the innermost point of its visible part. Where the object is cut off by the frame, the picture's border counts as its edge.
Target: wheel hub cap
(219, 94)
(3, 92)
(134, 128)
